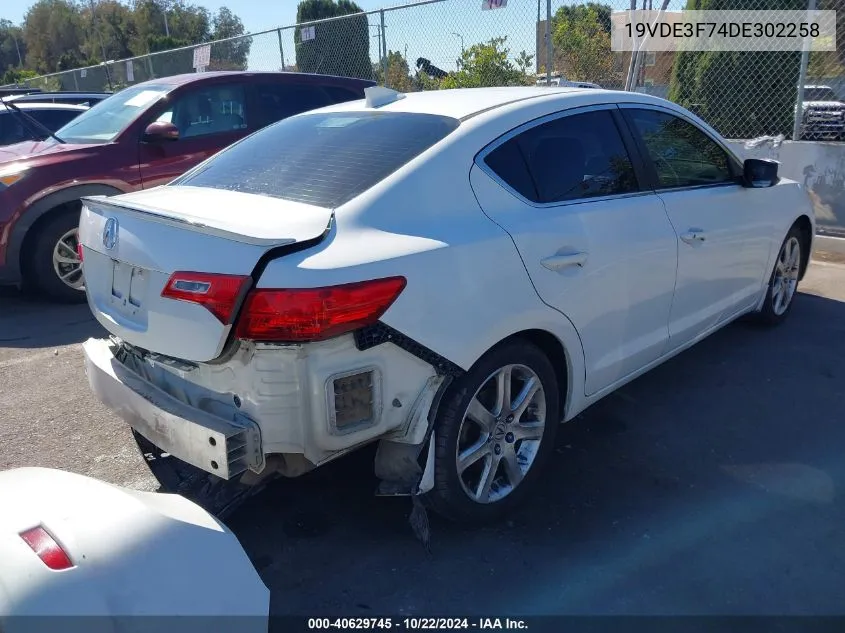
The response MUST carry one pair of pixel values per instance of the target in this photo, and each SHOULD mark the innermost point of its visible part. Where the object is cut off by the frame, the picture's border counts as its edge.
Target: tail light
(219, 294)
(47, 549)
(315, 314)
(79, 250)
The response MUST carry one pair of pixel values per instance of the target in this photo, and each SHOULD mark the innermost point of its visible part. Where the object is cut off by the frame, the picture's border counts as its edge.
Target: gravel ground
(709, 486)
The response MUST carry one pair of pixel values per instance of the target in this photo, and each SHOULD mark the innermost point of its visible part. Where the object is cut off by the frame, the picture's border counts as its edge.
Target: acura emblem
(110, 233)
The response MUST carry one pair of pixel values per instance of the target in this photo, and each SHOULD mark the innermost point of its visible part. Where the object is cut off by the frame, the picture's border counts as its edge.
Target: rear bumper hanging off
(225, 448)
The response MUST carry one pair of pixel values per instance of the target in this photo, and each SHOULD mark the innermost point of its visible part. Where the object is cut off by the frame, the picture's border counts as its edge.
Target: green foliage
(340, 47)
(60, 35)
(398, 73)
(13, 76)
(582, 42)
(488, 64)
(741, 94)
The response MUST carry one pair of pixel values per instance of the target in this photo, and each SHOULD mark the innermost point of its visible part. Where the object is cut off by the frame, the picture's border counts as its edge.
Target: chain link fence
(436, 44)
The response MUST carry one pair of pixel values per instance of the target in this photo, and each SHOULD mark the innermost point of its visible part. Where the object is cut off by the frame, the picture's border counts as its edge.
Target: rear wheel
(54, 267)
(220, 497)
(494, 430)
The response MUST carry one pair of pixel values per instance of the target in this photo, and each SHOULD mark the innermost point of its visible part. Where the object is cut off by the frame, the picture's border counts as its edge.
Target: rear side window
(53, 119)
(321, 159)
(570, 158)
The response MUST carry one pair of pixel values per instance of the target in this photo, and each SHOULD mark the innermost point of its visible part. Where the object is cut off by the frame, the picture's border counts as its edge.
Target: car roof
(28, 105)
(463, 103)
(179, 80)
(57, 95)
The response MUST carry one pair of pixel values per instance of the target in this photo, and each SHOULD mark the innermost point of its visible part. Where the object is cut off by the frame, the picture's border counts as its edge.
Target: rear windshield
(321, 159)
(819, 94)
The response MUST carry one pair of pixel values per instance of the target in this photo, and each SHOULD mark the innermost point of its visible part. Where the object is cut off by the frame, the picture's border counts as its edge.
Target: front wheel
(494, 430)
(783, 283)
(54, 266)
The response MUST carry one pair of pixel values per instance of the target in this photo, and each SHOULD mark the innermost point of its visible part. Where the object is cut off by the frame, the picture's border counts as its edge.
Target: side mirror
(759, 172)
(161, 131)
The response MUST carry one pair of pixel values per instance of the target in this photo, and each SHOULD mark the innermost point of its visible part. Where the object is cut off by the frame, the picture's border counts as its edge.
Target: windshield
(819, 94)
(322, 159)
(103, 122)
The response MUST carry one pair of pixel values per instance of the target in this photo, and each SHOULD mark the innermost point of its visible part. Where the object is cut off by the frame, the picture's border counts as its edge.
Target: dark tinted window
(53, 119)
(682, 154)
(573, 157)
(819, 93)
(279, 101)
(322, 159)
(12, 129)
(340, 94)
(509, 164)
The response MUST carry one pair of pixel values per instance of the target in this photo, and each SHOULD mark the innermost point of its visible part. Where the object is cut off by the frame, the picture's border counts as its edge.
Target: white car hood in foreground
(135, 554)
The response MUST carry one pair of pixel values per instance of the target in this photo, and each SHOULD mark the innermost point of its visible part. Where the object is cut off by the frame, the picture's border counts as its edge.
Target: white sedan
(82, 555)
(447, 273)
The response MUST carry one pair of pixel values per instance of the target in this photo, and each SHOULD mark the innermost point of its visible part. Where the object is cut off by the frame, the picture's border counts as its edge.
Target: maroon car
(138, 138)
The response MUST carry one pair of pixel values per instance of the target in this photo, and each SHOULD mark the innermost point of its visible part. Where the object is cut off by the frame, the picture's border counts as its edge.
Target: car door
(597, 247)
(723, 228)
(209, 118)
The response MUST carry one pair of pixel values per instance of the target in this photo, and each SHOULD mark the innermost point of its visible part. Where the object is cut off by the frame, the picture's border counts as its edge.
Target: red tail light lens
(316, 314)
(219, 294)
(45, 546)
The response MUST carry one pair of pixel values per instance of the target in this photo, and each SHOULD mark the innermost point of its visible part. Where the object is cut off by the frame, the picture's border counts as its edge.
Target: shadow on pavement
(29, 321)
(709, 486)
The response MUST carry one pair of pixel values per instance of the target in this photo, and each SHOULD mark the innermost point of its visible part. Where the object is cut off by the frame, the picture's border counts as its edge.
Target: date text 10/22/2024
(417, 624)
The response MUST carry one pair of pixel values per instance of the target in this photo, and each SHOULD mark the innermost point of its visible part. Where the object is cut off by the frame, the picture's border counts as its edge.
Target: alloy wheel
(500, 433)
(785, 281)
(66, 262)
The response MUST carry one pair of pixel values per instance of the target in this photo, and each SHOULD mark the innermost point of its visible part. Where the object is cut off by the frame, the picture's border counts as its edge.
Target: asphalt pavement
(709, 486)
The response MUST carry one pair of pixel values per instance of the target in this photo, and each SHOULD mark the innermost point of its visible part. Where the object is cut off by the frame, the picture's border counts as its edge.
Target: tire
(41, 270)
(456, 494)
(220, 497)
(783, 283)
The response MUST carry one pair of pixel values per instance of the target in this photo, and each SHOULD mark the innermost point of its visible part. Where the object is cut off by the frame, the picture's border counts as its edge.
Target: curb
(829, 244)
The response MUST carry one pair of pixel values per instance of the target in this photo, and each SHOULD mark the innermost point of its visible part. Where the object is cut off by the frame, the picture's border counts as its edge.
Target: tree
(232, 55)
(12, 46)
(51, 28)
(398, 73)
(488, 64)
(582, 41)
(339, 47)
(741, 94)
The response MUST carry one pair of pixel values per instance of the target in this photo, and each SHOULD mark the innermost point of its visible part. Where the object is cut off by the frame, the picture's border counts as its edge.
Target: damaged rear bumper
(223, 447)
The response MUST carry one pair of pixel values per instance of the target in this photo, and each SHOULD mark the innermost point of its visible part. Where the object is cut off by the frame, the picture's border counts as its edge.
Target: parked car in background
(73, 98)
(449, 273)
(140, 137)
(823, 114)
(16, 127)
(75, 546)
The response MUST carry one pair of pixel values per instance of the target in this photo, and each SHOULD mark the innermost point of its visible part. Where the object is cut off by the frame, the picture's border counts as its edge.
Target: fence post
(150, 65)
(802, 79)
(281, 48)
(548, 42)
(383, 51)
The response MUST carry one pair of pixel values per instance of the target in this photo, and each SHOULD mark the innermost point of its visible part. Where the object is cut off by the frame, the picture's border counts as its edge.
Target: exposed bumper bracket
(222, 447)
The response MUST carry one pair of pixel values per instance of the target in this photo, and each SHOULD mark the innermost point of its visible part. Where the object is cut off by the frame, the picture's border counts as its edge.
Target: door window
(683, 155)
(53, 119)
(569, 158)
(211, 110)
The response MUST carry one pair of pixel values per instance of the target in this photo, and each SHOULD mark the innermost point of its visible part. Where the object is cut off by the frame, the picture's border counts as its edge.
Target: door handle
(559, 262)
(694, 236)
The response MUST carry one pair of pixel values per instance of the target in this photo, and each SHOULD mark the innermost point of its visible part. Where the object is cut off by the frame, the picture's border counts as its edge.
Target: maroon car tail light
(315, 314)
(219, 294)
(47, 549)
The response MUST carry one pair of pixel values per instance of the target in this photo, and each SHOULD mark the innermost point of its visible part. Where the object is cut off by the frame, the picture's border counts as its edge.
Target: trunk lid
(133, 243)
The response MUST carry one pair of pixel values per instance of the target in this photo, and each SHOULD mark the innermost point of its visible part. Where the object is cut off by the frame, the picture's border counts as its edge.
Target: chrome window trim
(658, 108)
(504, 138)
